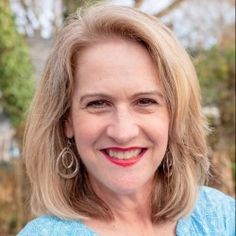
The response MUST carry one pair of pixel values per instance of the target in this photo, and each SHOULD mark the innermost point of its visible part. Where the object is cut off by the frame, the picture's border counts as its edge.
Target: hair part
(45, 137)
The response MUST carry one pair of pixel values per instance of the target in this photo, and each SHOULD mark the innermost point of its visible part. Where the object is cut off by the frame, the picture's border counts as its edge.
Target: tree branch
(138, 3)
(169, 8)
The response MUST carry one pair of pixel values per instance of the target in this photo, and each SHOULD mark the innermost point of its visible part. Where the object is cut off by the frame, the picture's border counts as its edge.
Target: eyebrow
(106, 96)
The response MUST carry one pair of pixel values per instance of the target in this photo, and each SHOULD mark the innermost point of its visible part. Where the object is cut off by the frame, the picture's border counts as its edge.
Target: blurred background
(206, 28)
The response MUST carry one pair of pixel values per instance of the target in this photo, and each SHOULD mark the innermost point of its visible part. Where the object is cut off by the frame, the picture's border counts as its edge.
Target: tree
(72, 5)
(16, 89)
(16, 83)
(216, 72)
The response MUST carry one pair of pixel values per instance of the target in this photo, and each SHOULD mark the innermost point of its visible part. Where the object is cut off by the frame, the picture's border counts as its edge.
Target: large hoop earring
(168, 164)
(67, 164)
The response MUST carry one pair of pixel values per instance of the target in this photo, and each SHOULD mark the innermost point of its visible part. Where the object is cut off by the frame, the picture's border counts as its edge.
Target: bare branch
(169, 8)
(25, 7)
(138, 3)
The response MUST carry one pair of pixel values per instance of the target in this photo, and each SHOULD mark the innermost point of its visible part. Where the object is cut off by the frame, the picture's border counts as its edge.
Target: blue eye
(146, 102)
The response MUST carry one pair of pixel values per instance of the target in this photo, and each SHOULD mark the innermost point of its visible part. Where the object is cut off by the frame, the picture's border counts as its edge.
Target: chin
(131, 186)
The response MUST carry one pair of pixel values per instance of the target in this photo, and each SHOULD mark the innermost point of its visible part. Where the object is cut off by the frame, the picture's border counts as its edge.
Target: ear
(68, 127)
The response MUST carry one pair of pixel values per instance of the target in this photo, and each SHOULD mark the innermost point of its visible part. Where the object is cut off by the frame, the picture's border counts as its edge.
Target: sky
(149, 6)
(196, 22)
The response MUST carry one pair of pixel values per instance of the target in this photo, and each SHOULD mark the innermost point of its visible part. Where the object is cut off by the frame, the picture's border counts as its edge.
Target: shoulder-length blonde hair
(172, 197)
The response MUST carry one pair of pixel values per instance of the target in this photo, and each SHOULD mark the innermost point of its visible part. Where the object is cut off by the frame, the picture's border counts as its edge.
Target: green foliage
(6, 166)
(216, 72)
(13, 223)
(16, 83)
(72, 5)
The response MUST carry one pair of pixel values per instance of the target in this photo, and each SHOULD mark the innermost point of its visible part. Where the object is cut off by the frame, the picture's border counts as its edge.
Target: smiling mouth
(124, 156)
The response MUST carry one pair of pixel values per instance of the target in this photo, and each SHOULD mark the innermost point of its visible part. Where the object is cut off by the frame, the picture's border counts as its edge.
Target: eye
(97, 104)
(145, 102)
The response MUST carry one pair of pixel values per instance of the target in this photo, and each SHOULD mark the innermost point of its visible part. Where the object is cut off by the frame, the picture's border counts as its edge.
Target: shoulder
(214, 214)
(213, 204)
(54, 226)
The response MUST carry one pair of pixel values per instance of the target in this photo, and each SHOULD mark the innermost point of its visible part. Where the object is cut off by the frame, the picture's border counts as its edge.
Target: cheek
(87, 130)
(158, 129)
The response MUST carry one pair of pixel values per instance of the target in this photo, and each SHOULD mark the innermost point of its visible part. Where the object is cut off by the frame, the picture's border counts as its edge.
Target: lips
(124, 156)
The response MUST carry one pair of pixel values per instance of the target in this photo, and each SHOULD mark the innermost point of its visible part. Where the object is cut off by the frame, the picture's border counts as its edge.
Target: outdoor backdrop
(206, 28)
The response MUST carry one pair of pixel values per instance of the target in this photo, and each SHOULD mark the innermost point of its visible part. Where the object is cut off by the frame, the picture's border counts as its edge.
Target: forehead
(110, 47)
(114, 55)
(116, 67)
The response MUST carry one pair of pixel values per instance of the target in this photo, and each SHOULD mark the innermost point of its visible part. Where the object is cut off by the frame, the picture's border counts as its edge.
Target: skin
(118, 101)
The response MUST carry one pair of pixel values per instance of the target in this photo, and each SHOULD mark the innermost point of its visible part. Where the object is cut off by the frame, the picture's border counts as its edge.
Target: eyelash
(144, 102)
(97, 104)
(102, 104)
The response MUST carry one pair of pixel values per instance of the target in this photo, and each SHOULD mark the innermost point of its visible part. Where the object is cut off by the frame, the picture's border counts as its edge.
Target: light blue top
(213, 215)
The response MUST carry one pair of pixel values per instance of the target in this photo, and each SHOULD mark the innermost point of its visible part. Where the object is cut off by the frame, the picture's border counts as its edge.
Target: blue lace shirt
(213, 215)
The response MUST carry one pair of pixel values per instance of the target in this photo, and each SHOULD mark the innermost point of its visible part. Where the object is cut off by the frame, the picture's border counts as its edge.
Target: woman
(115, 141)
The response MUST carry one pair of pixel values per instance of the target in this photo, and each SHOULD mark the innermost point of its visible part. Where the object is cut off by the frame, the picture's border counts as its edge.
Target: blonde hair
(172, 197)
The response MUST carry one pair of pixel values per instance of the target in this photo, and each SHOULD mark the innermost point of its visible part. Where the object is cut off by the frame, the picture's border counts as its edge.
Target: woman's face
(119, 116)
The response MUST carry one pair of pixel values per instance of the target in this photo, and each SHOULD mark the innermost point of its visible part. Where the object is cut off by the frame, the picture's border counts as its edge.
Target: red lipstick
(123, 162)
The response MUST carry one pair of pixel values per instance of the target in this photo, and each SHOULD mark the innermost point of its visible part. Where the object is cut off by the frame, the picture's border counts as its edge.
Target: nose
(123, 127)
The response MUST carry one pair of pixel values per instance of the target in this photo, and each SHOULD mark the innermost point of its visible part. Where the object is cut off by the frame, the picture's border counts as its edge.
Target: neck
(132, 213)
(128, 207)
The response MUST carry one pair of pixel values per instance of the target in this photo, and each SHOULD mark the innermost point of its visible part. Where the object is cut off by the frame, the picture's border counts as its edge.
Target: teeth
(124, 155)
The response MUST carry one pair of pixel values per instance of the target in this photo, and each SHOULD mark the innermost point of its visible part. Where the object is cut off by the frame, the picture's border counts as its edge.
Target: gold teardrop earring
(67, 164)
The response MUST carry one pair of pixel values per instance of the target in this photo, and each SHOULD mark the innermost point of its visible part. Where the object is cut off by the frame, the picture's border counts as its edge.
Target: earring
(167, 165)
(67, 164)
